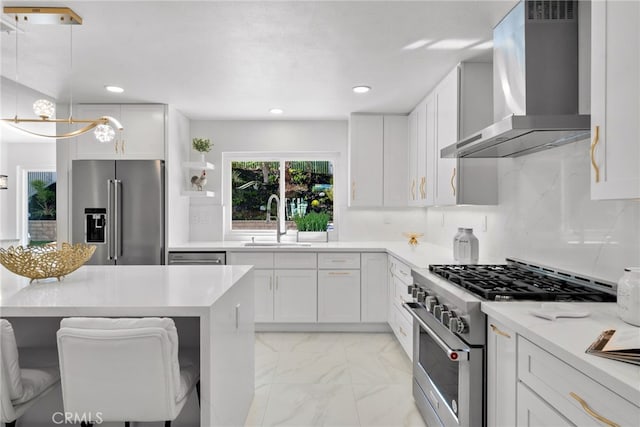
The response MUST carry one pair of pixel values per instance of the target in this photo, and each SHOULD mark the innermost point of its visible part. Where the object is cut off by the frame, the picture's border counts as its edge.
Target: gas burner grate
(509, 281)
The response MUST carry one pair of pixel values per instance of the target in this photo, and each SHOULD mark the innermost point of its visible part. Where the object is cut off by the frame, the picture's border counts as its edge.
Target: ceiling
(238, 59)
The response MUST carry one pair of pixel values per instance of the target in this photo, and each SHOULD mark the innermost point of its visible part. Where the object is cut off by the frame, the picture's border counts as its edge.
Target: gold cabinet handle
(497, 331)
(422, 187)
(122, 146)
(596, 140)
(339, 273)
(453, 177)
(353, 190)
(116, 146)
(413, 189)
(593, 413)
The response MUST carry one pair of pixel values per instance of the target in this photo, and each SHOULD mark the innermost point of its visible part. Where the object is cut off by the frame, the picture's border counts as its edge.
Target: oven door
(449, 373)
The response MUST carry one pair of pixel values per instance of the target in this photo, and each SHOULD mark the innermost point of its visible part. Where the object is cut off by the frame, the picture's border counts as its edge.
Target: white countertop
(119, 290)
(568, 338)
(419, 256)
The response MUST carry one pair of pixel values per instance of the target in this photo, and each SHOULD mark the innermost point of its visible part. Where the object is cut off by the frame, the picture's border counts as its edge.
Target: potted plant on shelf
(202, 146)
(312, 227)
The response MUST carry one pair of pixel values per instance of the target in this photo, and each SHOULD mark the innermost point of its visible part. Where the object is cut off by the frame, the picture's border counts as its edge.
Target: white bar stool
(124, 369)
(22, 387)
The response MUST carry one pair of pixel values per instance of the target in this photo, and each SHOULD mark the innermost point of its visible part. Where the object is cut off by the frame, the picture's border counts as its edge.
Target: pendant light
(44, 109)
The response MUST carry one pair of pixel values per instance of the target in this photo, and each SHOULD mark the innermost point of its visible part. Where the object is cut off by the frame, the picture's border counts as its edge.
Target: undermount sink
(276, 244)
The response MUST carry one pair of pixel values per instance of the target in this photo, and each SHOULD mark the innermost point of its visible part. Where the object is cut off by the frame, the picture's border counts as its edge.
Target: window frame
(281, 157)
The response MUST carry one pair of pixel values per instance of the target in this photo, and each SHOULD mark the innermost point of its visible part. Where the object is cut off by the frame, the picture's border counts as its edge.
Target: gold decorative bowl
(41, 262)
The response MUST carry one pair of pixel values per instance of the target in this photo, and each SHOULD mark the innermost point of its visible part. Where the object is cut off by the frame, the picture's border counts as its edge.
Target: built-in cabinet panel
(143, 136)
(377, 157)
(263, 295)
(338, 296)
(615, 100)
(366, 160)
(501, 374)
(533, 411)
(373, 297)
(296, 296)
(394, 192)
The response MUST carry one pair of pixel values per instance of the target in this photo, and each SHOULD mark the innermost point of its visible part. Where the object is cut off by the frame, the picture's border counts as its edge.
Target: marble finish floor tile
(311, 405)
(332, 379)
(312, 368)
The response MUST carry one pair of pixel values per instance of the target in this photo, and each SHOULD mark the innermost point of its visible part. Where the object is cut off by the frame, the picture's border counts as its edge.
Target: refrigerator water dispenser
(95, 225)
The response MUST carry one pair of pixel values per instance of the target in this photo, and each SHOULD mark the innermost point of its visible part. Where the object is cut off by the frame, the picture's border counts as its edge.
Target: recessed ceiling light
(485, 45)
(361, 89)
(417, 44)
(276, 111)
(452, 44)
(114, 89)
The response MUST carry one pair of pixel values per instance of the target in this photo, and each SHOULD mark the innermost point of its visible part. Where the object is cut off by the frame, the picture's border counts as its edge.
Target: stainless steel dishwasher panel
(197, 258)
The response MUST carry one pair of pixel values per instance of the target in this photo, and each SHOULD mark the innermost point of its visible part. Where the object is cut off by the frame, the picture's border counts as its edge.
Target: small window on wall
(302, 186)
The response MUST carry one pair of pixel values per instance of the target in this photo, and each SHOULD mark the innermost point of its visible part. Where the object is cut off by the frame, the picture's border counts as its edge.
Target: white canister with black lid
(629, 296)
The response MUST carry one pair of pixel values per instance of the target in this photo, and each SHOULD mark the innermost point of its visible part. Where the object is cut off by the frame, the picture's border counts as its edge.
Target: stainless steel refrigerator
(118, 205)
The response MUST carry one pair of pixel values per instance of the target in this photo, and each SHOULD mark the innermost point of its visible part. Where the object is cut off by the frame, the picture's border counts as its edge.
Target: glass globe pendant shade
(104, 133)
(44, 108)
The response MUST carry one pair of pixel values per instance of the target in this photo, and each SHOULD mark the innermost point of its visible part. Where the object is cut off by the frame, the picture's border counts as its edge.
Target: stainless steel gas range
(449, 329)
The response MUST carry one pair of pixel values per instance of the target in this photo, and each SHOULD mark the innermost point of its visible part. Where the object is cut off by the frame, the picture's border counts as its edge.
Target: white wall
(546, 216)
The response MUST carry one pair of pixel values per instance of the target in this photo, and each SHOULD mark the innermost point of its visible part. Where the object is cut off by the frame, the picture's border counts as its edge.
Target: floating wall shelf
(199, 165)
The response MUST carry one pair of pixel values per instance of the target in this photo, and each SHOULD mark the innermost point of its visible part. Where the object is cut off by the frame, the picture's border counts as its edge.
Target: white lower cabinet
(339, 296)
(501, 374)
(324, 287)
(399, 319)
(295, 296)
(576, 396)
(373, 287)
(264, 295)
(533, 411)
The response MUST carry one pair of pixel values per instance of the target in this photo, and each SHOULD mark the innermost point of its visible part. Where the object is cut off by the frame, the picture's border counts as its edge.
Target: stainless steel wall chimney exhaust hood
(535, 84)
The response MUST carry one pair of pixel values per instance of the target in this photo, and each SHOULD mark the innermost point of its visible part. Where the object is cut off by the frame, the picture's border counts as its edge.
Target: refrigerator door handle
(118, 207)
(109, 220)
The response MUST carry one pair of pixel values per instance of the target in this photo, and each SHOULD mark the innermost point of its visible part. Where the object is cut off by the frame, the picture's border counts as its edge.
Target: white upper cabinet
(377, 158)
(463, 105)
(143, 136)
(421, 153)
(615, 100)
(394, 192)
(365, 160)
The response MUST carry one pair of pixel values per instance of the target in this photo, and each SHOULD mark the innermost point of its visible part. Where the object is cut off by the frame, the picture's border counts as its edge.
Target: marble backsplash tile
(545, 215)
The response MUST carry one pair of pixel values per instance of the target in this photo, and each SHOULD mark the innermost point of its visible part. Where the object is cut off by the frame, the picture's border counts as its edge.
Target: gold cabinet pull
(122, 146)
(339, 273)
(497, 331)
(593, 413)
(116, 146)
(353, 190)
(596, 140)
(422, 187)
(413, 189)
(453, 177)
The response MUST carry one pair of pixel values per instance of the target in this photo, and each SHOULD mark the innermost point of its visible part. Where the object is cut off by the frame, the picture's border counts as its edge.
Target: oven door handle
(454, 355)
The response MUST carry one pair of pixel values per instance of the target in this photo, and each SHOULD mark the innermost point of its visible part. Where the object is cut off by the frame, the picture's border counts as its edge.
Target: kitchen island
(217, 300)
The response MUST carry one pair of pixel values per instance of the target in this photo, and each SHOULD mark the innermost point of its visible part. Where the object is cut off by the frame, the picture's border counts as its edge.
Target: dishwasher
(197, 258)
